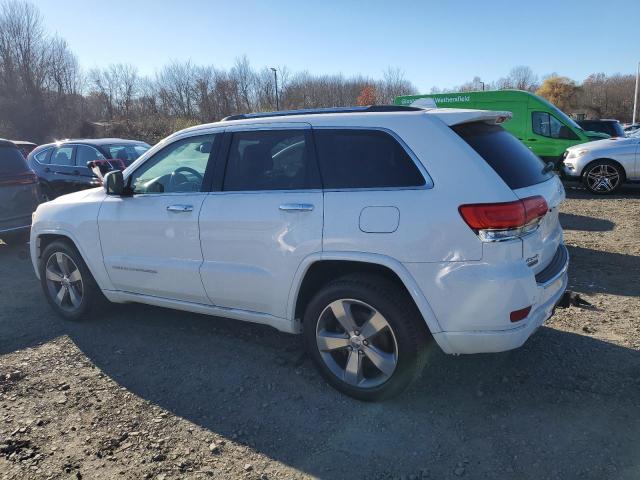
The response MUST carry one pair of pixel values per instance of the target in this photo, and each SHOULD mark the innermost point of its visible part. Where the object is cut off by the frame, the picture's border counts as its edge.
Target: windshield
(128, 153)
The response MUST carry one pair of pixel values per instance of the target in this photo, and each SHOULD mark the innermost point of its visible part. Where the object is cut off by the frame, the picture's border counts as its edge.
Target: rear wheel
(366, 337)
(603, 177)
(67, 282)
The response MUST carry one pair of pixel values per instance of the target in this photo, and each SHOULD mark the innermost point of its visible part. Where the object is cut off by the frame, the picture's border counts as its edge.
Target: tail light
(495, 222)
(26, 178)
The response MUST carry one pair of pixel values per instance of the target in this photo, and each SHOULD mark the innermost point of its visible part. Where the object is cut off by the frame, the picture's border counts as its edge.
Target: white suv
(372, 231)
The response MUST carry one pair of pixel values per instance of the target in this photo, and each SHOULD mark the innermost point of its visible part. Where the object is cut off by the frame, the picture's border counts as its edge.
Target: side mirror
(114, 183)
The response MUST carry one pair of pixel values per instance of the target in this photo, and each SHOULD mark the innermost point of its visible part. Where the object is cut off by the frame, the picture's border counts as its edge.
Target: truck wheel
(67, 282)
(366, 337)
(603, 177)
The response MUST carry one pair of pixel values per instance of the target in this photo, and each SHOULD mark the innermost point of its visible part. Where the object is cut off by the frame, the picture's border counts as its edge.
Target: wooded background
(45, 95)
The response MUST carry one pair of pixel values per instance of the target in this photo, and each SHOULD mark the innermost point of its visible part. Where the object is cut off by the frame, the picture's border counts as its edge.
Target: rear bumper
(551, 285)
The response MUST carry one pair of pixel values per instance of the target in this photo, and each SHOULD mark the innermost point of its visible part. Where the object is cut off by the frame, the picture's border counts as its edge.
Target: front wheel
(67, 282)
(603, 177)
(366, 337)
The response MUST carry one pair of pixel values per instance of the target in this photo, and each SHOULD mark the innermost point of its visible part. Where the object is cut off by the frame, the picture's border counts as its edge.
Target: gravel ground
(142, 392)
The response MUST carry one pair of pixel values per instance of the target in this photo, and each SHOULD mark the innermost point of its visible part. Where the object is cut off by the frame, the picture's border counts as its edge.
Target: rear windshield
(11, 161)
(507, 155)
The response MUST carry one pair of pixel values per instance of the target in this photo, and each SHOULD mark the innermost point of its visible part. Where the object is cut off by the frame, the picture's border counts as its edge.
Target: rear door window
(270, 160)
(86, 153)
(355, 158)
(62, 156)
(11, 161)
(511, 159)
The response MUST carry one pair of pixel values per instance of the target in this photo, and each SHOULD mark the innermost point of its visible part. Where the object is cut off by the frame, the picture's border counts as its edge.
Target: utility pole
(482, 86)
(275, 76)
(635, 96)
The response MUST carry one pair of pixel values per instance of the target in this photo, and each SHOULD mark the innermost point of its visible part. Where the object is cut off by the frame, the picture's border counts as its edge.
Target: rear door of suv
(263, 217)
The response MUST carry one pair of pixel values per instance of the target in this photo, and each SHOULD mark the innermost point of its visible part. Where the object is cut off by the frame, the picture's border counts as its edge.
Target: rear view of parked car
(19, 193)
(62, 166)
(25, 147)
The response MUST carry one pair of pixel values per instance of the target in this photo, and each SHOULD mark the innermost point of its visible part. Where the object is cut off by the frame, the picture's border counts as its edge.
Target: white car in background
(372, 231)
(604, 165)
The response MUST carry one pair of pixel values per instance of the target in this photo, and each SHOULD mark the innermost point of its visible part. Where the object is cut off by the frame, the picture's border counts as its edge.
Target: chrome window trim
(428, 181)
(253, 192)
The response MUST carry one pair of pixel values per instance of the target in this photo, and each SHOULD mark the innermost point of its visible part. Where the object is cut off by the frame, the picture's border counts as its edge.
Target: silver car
(604, 165)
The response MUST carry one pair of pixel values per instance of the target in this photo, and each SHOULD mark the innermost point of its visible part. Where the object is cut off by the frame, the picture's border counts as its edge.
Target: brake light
(494, 222)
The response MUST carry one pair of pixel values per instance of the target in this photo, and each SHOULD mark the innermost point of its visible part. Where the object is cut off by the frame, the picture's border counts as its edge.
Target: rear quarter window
(509, 157)
(11, 161)
(355, 158)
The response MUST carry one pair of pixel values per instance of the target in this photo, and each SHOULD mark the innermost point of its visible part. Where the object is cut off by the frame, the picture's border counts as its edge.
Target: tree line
(45, 95)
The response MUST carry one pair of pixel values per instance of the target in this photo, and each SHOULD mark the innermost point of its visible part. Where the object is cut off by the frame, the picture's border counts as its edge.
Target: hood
(76, 197)
(606, 143)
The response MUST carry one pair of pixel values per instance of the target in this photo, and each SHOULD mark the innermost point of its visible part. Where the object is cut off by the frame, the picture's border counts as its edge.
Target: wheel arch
(42, 239)
(604, 159)
(317, 270)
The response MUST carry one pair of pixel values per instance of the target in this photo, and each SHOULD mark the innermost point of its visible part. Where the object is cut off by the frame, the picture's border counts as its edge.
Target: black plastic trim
(555, 267)
(315, 111)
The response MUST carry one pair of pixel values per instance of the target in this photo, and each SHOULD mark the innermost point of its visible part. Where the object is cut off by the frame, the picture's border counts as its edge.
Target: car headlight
(577, 153)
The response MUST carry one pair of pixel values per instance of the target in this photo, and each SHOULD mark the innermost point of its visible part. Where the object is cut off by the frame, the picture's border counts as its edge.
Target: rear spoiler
(456, 116)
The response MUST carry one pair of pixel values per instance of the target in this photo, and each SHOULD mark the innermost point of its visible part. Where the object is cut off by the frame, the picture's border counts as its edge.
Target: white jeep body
(246, 254)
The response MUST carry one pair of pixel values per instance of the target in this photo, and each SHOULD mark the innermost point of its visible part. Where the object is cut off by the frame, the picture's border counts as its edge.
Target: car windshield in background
(128, 153)
(508, 156)
(11, 161)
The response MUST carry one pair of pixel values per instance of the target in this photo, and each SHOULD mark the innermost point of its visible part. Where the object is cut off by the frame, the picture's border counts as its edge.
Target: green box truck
(542, 126)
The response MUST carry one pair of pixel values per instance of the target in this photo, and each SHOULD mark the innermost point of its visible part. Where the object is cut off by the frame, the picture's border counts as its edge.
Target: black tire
(404, 321)
(600, 168)
(91, 295)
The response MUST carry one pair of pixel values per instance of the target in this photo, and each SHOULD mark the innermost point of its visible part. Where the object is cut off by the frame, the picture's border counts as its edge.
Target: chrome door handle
(296, 207)
(180, 208)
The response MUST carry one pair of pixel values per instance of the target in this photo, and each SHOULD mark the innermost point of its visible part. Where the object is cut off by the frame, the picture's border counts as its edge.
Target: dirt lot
(142, 392)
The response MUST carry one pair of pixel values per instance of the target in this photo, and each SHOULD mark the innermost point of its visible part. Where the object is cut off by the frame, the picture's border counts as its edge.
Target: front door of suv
(150, 240)
(262, 219)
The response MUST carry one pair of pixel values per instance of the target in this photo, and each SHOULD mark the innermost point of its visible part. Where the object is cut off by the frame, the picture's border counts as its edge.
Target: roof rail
(313, 111)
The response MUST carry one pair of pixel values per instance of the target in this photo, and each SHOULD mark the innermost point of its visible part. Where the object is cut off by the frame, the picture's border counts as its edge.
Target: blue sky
(442, 43)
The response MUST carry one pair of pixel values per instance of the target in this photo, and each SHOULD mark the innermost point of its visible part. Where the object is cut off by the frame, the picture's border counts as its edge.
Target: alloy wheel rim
(603, 178)
(357, 343)
(64, 281)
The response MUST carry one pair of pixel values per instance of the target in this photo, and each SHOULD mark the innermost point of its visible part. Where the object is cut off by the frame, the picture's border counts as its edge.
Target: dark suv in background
(613, 128)
(62, 166)
(19, 193)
